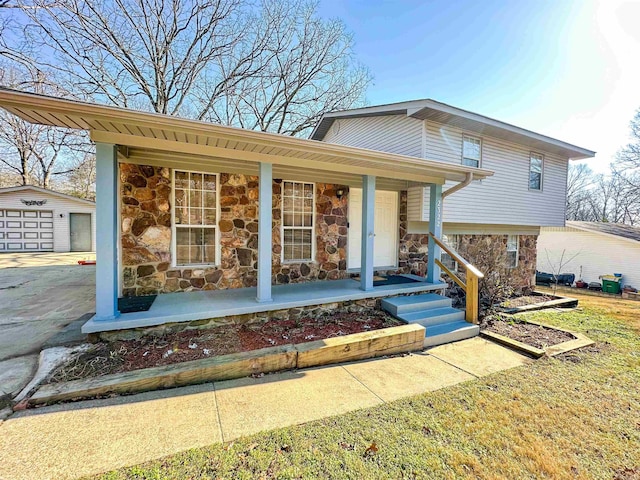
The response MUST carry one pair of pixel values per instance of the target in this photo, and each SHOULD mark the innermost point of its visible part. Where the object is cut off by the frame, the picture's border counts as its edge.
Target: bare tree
(136, 53)
(629, 155)
(557, 265)
(274, 66)
(79, 181)
(580, 182)
(308, 70)
(31, 154)
(603, 198)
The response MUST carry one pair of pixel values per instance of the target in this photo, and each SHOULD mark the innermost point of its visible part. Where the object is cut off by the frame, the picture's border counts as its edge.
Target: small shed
(34, 219)
(591, 249)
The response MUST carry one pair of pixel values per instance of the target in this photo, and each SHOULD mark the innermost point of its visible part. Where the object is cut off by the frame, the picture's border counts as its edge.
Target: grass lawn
(571, 417)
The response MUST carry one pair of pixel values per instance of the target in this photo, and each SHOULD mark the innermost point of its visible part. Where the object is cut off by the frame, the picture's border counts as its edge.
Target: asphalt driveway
(40, 294)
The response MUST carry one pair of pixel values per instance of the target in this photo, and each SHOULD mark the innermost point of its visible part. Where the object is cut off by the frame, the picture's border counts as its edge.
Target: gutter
(468, 179)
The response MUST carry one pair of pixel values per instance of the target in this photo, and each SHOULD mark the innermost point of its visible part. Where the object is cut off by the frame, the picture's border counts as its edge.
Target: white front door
(385, 243)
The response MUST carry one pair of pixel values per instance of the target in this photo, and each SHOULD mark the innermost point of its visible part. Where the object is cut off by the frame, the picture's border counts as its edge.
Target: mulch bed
(154, 351)
(531, 334)
(527, 300)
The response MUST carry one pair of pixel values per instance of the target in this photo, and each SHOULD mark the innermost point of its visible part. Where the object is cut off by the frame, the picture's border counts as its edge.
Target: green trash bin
(610, 284)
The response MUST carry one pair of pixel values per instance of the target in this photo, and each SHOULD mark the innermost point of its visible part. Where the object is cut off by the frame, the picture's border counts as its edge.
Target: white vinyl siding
(505, 197)
(593, 253)
(391, 133)
(60, 208)
(502, 199)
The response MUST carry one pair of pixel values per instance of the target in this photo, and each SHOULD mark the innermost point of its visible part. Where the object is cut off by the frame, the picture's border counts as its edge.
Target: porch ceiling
(159, 158)
(182, 140)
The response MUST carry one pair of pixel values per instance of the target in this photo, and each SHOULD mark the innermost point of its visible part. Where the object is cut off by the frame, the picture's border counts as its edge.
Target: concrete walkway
(72, 440)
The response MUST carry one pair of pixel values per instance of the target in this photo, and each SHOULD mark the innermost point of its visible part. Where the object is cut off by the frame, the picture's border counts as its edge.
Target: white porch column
(265, 205)
(435, 228)
(366, 251)
(106, 232)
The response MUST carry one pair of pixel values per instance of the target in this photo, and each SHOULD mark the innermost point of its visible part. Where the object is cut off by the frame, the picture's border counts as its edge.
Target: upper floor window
(512, 251)
(297, 221)
(471, 151)
(536, 165)
(195, 209)
(451, 241)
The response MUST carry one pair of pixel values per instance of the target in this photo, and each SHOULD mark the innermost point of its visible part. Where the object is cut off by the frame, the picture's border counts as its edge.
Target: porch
(162, 143)
(200, 305)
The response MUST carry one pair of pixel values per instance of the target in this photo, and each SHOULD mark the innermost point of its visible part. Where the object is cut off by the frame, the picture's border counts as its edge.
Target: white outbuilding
(591, 249)
(34, 219)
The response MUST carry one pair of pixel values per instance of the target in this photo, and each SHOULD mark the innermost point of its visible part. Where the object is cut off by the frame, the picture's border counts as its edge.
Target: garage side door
(26, 231)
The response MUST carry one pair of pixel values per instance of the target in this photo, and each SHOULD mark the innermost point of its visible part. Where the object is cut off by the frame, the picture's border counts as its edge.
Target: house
(502, 214)
(591, 249)
(34, 219)
(226, 224)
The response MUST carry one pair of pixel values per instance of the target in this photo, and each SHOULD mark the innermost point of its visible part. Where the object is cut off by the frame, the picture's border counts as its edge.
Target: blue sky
(566, 68)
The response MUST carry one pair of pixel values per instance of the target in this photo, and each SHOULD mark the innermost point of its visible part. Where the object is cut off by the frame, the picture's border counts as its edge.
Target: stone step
(433, 316)
(413, 303)
(450, 332)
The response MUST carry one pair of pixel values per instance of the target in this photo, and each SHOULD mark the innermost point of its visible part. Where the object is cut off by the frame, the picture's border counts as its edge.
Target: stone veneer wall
(414, 248)
(330, 236)
(146, 235)
(522, 276)
(351, 306)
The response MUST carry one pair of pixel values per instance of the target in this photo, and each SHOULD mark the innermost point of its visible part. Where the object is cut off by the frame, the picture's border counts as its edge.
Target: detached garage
(591, 249)
(33, 219)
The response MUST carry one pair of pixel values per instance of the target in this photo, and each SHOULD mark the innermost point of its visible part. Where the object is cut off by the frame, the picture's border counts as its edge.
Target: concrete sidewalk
(71, 440)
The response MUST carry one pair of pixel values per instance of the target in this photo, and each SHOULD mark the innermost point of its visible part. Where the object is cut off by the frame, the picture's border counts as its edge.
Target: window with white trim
(451, 241)
(512, 251)
(297, 221)
(195, 213)
(536, 166)
(471, 151)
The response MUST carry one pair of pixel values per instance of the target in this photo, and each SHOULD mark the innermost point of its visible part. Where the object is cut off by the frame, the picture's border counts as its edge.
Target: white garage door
(26, 231)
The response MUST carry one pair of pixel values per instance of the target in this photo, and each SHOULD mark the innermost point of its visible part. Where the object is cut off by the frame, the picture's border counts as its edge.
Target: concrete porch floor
(71, 440)
(190, 306)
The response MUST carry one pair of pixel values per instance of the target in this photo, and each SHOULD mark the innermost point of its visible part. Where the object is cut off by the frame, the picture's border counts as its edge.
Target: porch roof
(163, 138)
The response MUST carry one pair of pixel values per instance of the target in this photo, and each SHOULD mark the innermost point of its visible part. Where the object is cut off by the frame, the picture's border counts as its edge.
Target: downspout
(468, 179)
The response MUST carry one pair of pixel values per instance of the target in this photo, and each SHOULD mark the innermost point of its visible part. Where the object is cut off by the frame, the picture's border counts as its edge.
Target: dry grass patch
(571, 417)
(627, 311)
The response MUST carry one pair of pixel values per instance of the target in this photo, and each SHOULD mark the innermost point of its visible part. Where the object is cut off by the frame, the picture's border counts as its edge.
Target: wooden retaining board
(563, 302)
(515, 344)
(579, 341)
(386, 341)
(358, 346)
(223, 367)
